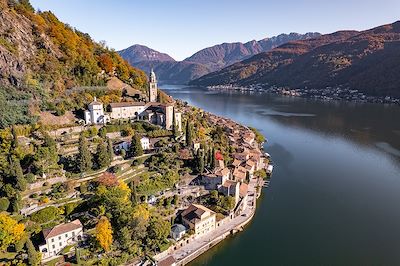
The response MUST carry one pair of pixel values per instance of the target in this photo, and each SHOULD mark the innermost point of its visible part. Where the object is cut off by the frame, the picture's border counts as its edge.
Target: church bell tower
(152, 87)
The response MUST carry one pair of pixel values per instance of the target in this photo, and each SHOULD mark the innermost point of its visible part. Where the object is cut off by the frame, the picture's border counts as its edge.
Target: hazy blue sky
(182, 27)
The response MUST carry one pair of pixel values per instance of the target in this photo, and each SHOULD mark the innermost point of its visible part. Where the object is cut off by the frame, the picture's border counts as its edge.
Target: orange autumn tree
(104, 233)
(10, 231)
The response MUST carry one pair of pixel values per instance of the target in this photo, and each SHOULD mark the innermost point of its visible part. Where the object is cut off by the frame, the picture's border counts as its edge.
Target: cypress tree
(174, 127)
(17, 174)
(200, 161)
(85, 156)
(136, 147)
(189, 134)
(133, 193)
(33, 255)
(110, 150)
(102, 155)
(214, 160)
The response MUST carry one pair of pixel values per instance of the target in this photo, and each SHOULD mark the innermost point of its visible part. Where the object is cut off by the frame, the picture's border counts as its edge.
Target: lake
(334, 198)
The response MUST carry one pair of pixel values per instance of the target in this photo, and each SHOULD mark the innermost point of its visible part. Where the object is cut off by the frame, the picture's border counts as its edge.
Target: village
(214, 177)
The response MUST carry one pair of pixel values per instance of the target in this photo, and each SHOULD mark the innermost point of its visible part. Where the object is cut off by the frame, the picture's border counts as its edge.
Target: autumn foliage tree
(10, 231)
(104, 233)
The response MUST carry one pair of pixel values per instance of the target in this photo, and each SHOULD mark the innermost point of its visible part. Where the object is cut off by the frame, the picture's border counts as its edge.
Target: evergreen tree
(33, 255)
(17, 174)
(14, 143)
(214, 160)
(85, 156)
(133, 193)
(200, 162)
(110, 150)
(136, 147)
(174, 126)
(78, 256)
(189, 134)
(102, 155)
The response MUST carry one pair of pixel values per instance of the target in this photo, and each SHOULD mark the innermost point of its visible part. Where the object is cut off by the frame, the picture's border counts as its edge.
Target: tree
(157, 232)
(200, 161)
(45, 215)
(134, 198)
(228, 203)
(175, 200)
(85, 156)
(78, 256)
(110, 149)
(189, 134)
(104, 233)
(45, 158)
(34, 257)
(136, 147)
(174, 126)
(102, 132)
(10, 231)
(17, 174)
(214, 163)
(102, 155)
(4, 204)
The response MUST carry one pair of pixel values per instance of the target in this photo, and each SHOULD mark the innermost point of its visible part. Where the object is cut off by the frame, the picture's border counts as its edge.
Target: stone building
(153, 112)
(199, 218)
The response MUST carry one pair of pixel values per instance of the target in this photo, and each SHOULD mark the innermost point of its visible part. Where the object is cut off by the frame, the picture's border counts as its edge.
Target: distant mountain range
(204, 61)
(364, 60)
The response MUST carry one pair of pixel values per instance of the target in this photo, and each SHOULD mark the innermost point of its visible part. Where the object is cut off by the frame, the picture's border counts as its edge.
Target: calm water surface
(334, 198)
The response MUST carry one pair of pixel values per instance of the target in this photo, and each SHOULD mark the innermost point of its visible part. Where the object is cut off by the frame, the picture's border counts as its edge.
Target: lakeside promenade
(198, 246)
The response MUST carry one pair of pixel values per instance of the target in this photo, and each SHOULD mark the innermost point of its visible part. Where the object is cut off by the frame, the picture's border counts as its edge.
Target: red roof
(62, 229)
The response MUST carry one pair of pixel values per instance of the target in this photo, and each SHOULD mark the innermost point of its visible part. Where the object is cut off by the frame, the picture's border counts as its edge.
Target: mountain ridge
(362, 60)
(208, 59)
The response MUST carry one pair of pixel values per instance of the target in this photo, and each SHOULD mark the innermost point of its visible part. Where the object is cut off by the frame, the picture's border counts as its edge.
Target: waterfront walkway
(196, 247)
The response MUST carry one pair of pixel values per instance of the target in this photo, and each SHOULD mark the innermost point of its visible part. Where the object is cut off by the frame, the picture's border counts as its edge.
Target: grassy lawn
(8, 255)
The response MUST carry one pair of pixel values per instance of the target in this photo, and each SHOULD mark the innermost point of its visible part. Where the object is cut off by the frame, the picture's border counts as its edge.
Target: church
(152, 111)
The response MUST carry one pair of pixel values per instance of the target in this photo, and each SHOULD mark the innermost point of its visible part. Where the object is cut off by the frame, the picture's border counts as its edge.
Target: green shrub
(45, 215)
(4, 204)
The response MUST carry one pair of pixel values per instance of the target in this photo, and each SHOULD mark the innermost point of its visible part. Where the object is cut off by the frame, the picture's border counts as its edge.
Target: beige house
(59, 237)
(199, 218)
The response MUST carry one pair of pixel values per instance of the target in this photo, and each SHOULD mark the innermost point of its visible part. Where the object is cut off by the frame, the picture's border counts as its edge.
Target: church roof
(126, 104)
(95, 102)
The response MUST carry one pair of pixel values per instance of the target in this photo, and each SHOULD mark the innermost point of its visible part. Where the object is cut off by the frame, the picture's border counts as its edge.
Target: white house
(145, 142)
(59, 237)
(178, 231)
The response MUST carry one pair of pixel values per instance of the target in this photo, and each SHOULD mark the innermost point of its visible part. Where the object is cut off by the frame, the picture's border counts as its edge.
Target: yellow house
(199, 218)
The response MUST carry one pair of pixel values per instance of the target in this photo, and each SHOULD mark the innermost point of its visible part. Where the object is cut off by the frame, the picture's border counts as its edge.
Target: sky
(183, 27)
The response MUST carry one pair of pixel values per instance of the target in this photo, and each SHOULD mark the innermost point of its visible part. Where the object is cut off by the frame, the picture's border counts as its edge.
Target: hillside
(138, 53)
(363, 60)
(42, 58)
(206, 60)
(222, 55)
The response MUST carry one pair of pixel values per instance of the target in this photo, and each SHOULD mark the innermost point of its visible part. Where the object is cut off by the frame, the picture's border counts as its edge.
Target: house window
(60, 244)
(54, 246)
(66, 235)
(59, 238)
(73, 233)
(52, 240)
